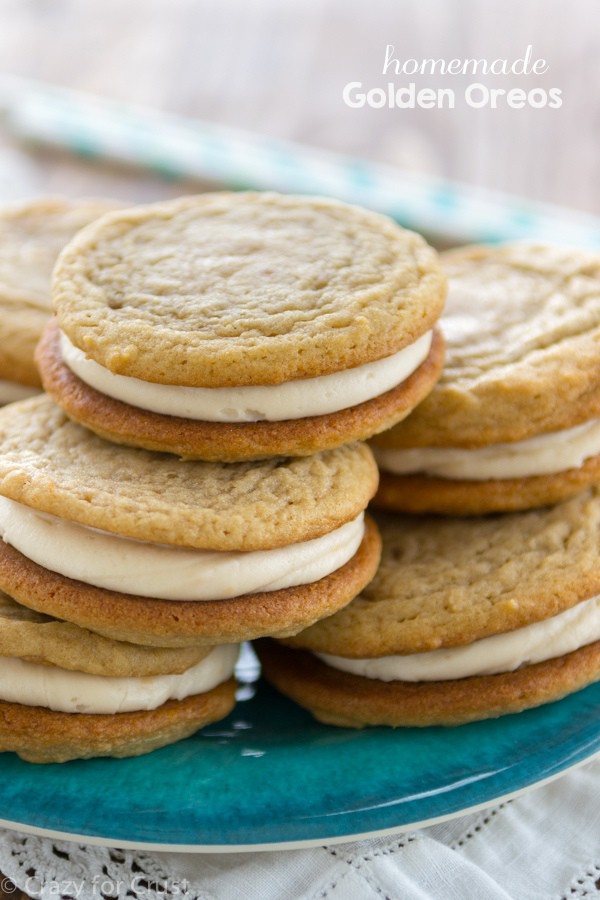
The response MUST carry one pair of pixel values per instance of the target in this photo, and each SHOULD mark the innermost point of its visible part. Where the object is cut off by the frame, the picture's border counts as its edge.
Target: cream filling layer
(506, 652)
(253, 403)
(33, 684)
(10, 391)
(545, 454)
(170, 573)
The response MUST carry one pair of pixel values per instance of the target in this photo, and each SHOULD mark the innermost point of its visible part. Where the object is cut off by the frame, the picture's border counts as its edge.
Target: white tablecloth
(545, 844)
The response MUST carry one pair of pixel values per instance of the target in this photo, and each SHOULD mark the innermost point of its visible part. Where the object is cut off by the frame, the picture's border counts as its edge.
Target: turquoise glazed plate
(270, 776)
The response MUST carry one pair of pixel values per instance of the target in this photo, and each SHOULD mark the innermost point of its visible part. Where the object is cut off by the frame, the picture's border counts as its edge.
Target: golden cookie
(448, 582)
(514, 421)
(32, 235)
(152, 549)
(41, 735)
(297, 319)
(352, 701)
(464, 619)
(171, 623)
(40, 638)
(122, 423)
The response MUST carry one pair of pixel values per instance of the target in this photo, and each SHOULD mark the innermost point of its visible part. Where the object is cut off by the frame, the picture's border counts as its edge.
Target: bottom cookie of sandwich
(41, 735)
(68, 693)
(354, 701)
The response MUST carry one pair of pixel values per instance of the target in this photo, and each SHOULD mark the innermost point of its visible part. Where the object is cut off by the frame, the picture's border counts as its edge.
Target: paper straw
(177, 147)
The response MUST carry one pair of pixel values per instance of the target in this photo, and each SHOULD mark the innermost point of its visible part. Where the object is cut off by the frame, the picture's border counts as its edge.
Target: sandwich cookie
(230, 327)
(31, 237)
(67, 693)
(466, 619)
(148, 548)
(514, 422)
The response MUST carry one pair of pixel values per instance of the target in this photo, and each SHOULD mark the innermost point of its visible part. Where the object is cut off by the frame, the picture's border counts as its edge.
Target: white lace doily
(542, 846)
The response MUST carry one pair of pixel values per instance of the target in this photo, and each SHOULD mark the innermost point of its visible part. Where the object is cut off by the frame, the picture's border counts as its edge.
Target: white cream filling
(253, 403)
(170, 573)
(506, 652)
(33, 684)
(545, 454)
(10, 391)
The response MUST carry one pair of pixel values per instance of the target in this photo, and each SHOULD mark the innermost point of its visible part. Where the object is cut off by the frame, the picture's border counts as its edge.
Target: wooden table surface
(8, 891)
(280, 67)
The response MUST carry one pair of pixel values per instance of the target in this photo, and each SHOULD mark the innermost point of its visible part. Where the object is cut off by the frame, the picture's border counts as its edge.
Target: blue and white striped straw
(181, 148)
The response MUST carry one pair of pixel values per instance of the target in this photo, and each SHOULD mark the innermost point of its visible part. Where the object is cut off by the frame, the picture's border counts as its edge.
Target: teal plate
(270, 776)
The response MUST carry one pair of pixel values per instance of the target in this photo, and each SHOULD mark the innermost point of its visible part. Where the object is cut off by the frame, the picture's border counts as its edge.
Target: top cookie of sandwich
(31, 237)
(225, 289)
(447, 582)
(55, 466)
(522, 329)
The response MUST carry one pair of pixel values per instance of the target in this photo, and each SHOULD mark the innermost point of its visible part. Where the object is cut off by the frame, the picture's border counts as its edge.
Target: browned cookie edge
(184, 623)
(223, 441)
(42, 735)
(353, 701)
(444, 496)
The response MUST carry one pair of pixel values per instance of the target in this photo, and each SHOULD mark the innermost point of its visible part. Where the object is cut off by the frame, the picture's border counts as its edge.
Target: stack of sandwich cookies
(465, 620)
(514, 421)
(258, 337)
(31, 238)
(233, 327)
(143, 547)
(67, 693)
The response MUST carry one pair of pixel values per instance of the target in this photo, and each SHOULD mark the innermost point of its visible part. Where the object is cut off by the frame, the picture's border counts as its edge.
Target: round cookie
(465, 619)
(148, 548)
(40, 638)
(67, 693)
(351, 701)
(32, 235)
(41, 735)
(241, 326)
(122, 423)
(514, 421)
(171, 623)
